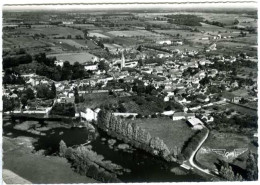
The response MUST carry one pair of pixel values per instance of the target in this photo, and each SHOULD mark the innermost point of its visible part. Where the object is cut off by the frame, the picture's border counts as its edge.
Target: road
(191, 159)
(191, 162)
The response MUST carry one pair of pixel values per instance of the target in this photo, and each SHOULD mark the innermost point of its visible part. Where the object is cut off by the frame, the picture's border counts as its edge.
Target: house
(59, 63)
(164, 42)
(203, 98)
(89, 114)
(182, 115)
(131, 64)
(125, 114)
(180, 99)
(179, 43)
(91, 67)
(178, 116)
(168, 113)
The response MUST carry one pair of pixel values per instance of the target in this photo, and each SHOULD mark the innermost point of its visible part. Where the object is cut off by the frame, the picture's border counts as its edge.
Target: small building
(125, 114)
(168, 113)
(178, 116)
(91, 67)
(59, 63)
(195, 123)
(164, 42)
(89, 114)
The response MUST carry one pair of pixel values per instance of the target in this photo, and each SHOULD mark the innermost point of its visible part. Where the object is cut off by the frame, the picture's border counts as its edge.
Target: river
(144, 167)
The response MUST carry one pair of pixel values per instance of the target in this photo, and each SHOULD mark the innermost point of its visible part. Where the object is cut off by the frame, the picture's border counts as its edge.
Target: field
(92, 34)
(136, 33)
(50, 30)
(73, 43)
(74, 57)
(23, 42)
(240, 110)
(18, 158)
(173, 133)
(228, 141)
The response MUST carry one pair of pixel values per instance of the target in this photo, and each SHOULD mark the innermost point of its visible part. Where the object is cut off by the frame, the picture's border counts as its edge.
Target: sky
(93, 4)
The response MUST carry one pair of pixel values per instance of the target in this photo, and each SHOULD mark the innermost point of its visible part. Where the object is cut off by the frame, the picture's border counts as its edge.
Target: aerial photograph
(126, 93)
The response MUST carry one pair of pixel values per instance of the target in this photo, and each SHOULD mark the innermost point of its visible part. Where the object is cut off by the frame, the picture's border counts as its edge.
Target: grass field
(239, 109)
(173, 133)
(228, 141)
(23, 42)
(73, 43)
(135, 33)
(74, 57)
(52, 31)
(37, 168)
(92, 34)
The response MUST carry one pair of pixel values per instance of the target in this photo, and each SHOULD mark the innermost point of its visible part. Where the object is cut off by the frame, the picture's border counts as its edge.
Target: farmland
(135, 33)
(173, 133)
(74, 57)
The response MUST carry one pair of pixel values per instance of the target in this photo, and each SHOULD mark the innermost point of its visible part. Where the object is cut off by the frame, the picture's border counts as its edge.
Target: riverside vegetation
(132, 134)
(87, 162)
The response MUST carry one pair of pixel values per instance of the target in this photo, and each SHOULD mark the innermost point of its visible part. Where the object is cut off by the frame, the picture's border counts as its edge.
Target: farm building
(195, 123)
(161, 42)
(182, 115)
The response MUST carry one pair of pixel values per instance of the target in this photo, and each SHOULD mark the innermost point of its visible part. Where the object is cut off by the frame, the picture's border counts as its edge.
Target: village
(175, 90)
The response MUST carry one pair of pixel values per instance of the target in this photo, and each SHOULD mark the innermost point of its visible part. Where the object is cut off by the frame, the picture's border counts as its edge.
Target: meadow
(135, 33)
(173, 133)
(228, 141)
(73, 57)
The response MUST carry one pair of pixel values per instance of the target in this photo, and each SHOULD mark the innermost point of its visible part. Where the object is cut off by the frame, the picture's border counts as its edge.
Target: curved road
(191, 159)
(191, 162)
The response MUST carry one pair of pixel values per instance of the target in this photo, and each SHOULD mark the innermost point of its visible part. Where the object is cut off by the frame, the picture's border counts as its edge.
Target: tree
(236, 22)
(76, 94)
(53, 90)
(29, 94)
(8, 104)
(103, 65)
(86, 34)
(62, 148)
(24, 100)
(227, 172)
(251, 167)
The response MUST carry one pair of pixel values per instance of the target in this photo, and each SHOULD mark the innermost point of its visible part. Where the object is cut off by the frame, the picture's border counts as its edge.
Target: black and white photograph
(129, 92)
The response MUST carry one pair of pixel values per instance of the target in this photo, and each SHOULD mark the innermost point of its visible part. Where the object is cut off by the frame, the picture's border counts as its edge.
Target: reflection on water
(144, 167)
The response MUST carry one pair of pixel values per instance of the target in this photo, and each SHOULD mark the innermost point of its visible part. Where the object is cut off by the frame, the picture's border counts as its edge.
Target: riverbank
(18, 157)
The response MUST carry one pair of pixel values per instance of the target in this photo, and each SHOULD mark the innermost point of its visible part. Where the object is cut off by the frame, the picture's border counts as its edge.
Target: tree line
(131, 133)
(87, 162)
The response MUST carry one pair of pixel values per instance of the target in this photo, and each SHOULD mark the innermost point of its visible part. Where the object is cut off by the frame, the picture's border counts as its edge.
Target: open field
(135, 33)
(18, 158)
(92, 34)
(73, 57)
(173, 133)
(52, 31)
(23, 42)
(73, 43)
(229, 141)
